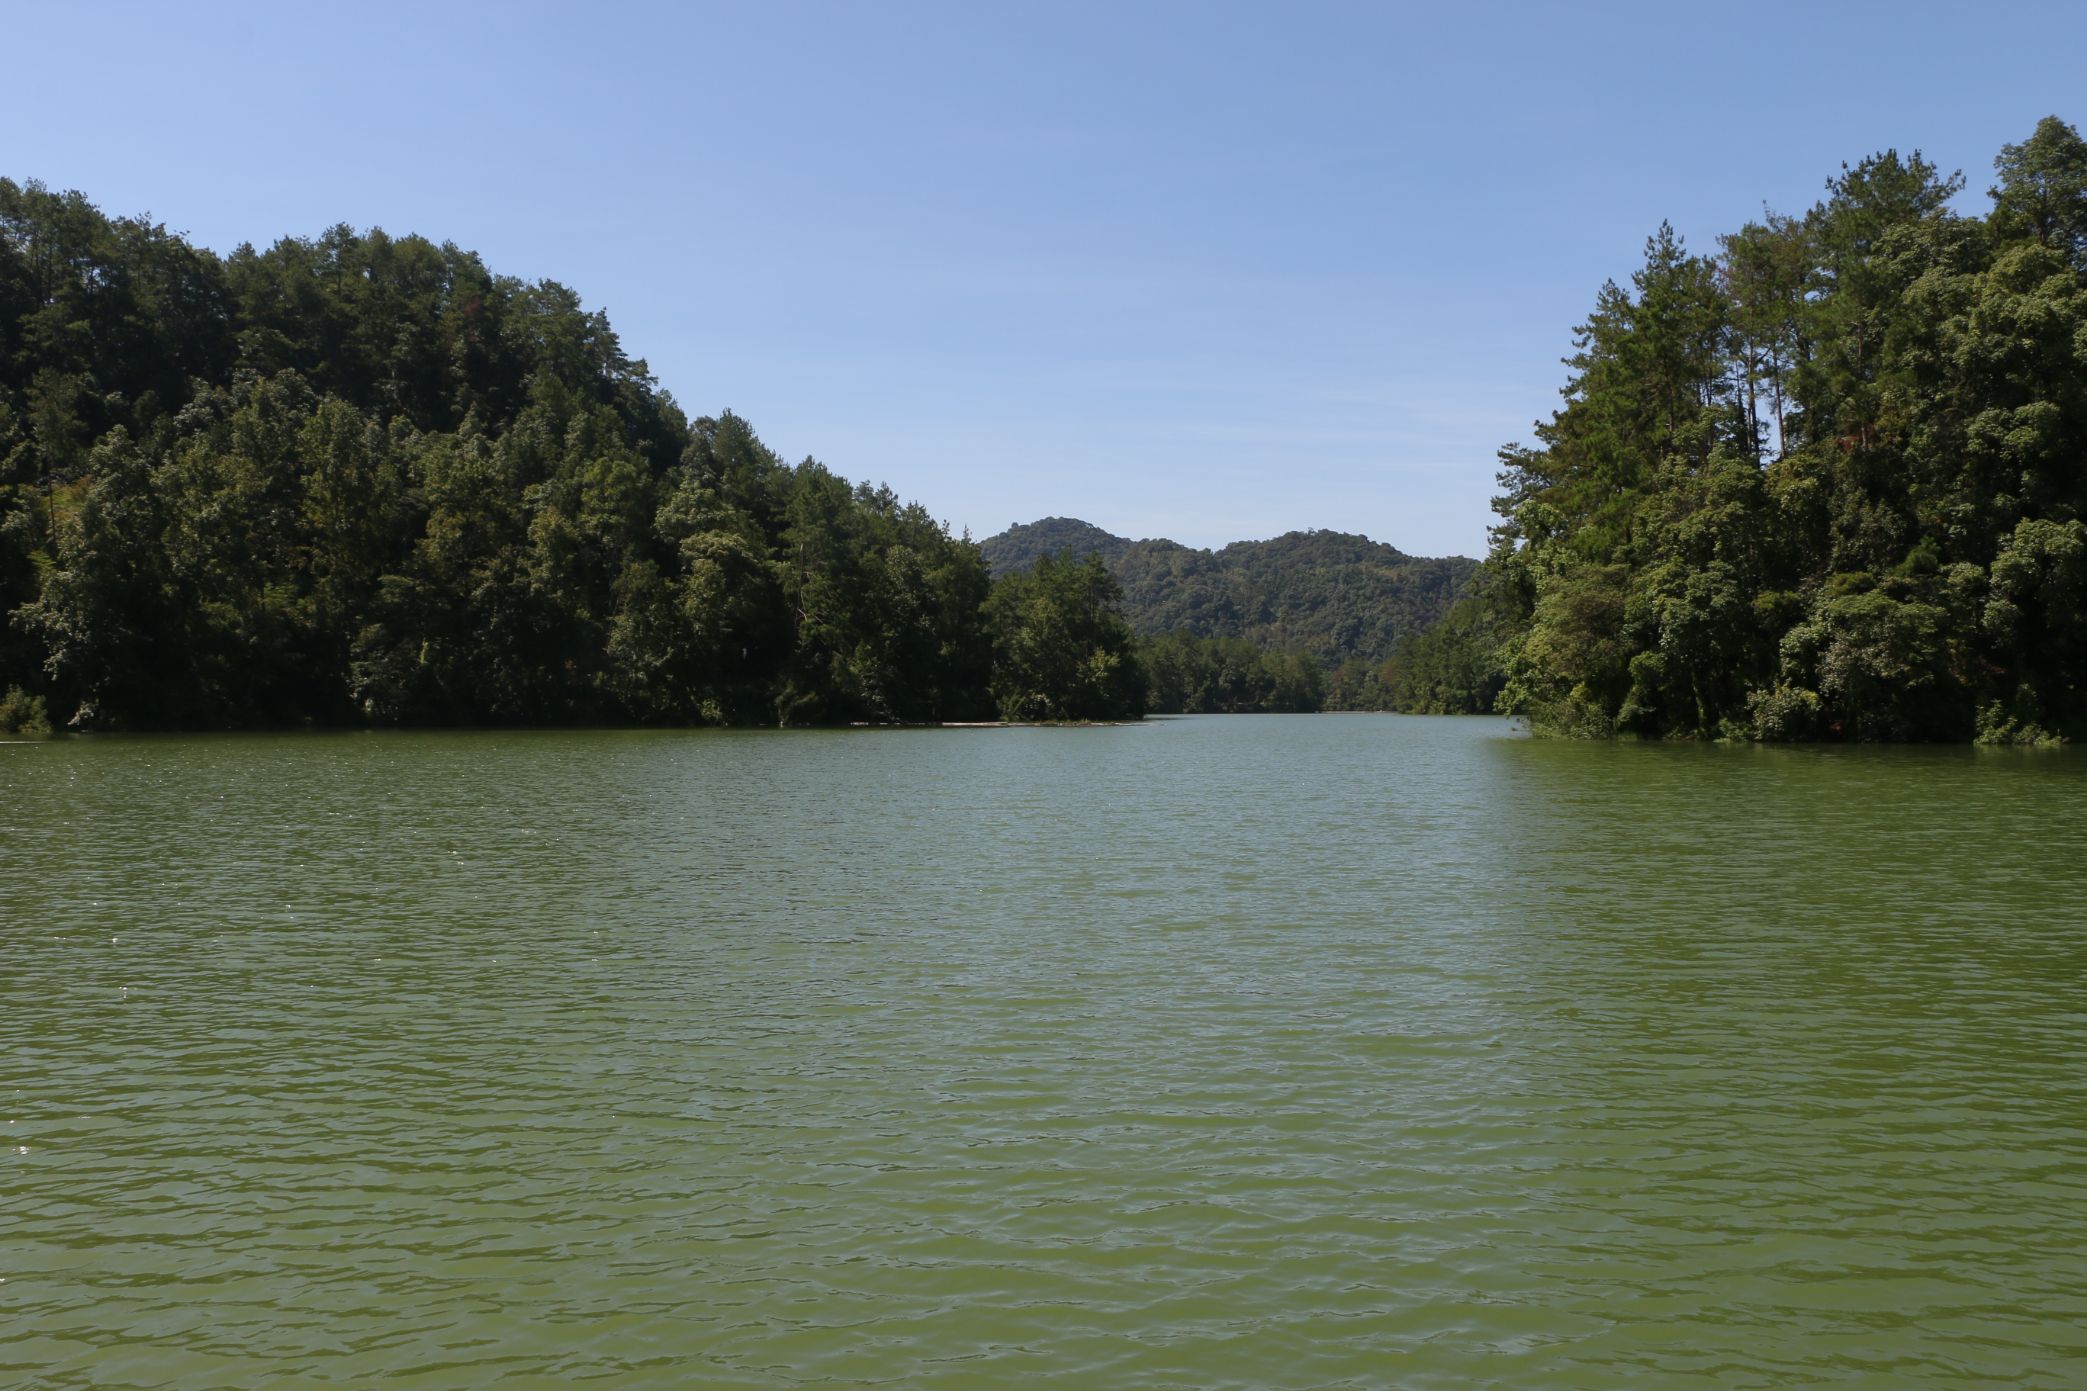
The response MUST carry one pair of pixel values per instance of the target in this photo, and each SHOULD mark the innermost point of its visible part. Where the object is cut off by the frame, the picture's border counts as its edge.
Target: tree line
(361, 479)
(1826, 482)
(1829, 482)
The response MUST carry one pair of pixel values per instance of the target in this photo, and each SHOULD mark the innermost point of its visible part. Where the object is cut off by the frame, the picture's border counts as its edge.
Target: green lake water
(1319, 1051)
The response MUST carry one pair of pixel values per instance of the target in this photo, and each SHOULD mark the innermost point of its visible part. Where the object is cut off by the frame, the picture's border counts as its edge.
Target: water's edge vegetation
(1824, 484)
(1828, 483)
(364, 480)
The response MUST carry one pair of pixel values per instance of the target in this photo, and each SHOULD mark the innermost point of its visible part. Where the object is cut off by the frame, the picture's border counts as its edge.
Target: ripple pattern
(1225, 1052)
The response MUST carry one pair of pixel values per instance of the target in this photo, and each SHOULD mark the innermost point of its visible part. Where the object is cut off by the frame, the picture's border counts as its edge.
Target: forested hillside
(364, 479)
(1022, 545)
(1829, 481)
(1325, 594)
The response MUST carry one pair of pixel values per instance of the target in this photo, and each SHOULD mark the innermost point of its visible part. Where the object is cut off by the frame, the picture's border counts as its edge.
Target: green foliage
(363, 479)
(1329, 595)
(1188, 675)
(2043, 188)
(23, 714)
(1451, 669)
(1021, 546)
(1827, 484)
(1062, 648)
(1454, 668)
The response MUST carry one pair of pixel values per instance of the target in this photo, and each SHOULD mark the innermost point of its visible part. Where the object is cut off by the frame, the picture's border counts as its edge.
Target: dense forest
(1310, 620)
(1325, 594)
(1829, 482)
(1824, 483)
(362, 479)
(1186, 674)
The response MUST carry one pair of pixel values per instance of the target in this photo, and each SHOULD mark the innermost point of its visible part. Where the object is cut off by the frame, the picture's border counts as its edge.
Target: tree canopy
(1326, 594)
(1063, 650)
(1824, 482)
(361, 478)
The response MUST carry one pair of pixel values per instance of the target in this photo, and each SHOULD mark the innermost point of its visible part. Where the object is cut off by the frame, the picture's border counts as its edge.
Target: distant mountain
(1018, 547)
(1329, 593)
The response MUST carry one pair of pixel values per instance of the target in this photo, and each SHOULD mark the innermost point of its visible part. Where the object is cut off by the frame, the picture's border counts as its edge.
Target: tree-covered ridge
(1069, 538)
(1327, 594)
(1830, 482)
(361, 478)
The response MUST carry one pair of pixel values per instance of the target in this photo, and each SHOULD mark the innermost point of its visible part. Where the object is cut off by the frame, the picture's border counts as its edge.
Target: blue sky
(1201, 271)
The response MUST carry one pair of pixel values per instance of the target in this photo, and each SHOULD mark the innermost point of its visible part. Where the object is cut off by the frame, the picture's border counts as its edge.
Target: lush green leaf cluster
(1062, 650)
(1189, 675)
(1830, 482)
(22, 713)
(1324, 593)
(363, 479)
(1451, 669)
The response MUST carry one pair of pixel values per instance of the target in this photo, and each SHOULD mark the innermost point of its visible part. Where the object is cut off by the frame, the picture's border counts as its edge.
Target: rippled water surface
(1254, 1052)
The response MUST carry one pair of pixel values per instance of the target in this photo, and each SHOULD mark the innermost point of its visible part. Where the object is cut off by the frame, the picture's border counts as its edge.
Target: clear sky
(1200, 271)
